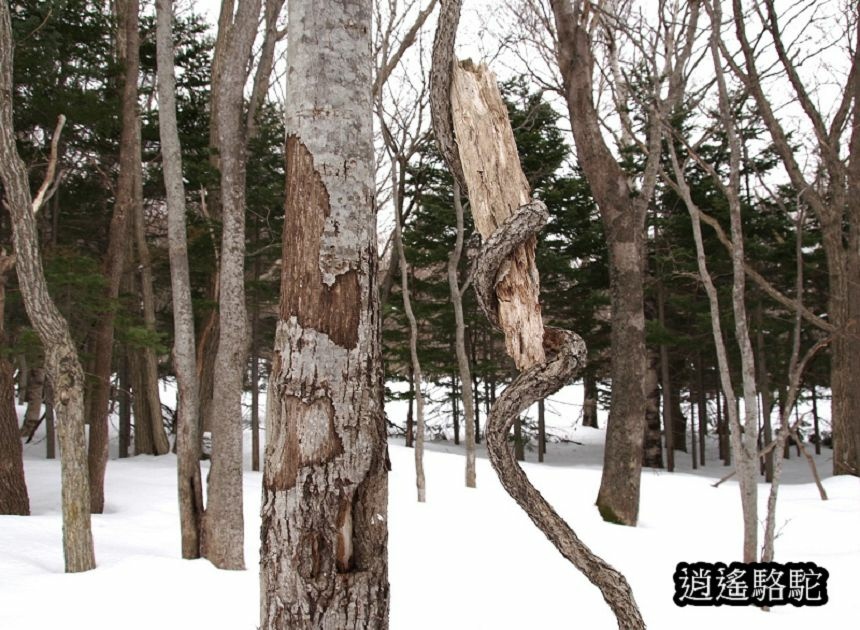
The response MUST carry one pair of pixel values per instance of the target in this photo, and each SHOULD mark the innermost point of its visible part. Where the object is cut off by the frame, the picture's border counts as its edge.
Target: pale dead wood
(497, 188)
(39, 199)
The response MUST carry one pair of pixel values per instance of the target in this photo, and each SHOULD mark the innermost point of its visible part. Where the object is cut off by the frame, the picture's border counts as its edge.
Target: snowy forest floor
(466, 559)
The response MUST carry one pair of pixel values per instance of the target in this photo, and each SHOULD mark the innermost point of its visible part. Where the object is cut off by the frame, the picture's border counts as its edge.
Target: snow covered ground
(466, 559)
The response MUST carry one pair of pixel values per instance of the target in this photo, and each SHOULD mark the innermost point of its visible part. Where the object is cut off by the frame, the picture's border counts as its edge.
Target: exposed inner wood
(330, 310)
(497, 188)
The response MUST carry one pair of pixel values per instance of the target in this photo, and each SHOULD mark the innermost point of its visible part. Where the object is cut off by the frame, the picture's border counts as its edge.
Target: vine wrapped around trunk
(565, 350)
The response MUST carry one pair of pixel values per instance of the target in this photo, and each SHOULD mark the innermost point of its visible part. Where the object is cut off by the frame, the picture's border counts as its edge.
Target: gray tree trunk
(323, 561)
(223, 525)
(61, 357)
(184, 359)
(460, 340)
(417, 378)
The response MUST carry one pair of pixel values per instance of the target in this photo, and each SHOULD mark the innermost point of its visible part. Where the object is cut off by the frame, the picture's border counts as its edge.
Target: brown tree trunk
(589, 401)
(50, 437)
(128, 47)
(124, 395)
(623, 216)
(149, 362)
(61, 358)
(323, 560)
(519, 443)
(652, 455)
(702, 398)
(13, 488)
(187, 413)
(33, 397)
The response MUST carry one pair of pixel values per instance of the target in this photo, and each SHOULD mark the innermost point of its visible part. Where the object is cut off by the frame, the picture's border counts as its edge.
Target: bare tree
(187, 440)
(836, 202)
(623, 206)
(223, 523)
(323, 560)
(61, 357)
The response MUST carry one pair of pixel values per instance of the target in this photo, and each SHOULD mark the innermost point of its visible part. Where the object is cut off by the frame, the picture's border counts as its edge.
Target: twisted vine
(565, 350)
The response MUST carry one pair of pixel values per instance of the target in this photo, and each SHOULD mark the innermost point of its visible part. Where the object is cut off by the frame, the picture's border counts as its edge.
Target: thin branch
(52, 166)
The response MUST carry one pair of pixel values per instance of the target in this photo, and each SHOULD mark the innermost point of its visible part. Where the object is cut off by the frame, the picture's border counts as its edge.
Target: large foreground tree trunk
(187, 439)
(61, 357)
(323, 561)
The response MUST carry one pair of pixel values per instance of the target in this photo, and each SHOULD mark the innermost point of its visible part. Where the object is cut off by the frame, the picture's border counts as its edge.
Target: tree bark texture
(13, 487)
(323, 560)
(128, 47)
(189, 483)
(497, 188)
(223, 525)
(624, 226)
(565, 350)
(61, 358)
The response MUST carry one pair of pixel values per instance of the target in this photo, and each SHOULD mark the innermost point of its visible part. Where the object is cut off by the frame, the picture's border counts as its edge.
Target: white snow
(465, 559)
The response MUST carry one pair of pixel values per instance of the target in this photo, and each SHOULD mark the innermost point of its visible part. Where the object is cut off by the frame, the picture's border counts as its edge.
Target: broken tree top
(497, 188)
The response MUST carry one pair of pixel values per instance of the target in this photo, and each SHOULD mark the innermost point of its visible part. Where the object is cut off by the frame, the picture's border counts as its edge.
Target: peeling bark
(323, 561)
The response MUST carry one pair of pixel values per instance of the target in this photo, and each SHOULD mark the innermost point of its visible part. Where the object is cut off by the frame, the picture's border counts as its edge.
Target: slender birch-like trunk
(460, 339)
(184, 356)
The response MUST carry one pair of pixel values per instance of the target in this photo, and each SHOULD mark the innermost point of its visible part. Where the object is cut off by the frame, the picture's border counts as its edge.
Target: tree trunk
(764, 390)
(666, 387)
(323, 560)
(816, 433)
(33, 397)
(144, 443)
(589, 401)
(149, 362)
(652, 455)
(187, 412)
(124, 395)
(417, 378)
(223, 525)
(703, 406)
(128, 47)
(410, 419)
(519, 443)
(13, 488)
(61, 358)
(623, 216)
(50, 437)
(541, 431)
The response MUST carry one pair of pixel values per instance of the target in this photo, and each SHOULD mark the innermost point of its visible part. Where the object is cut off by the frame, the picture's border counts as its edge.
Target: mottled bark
(223, 524)
(128, 49)
(61, 359)
(323, 560)
(187, 440)
(589, 401)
